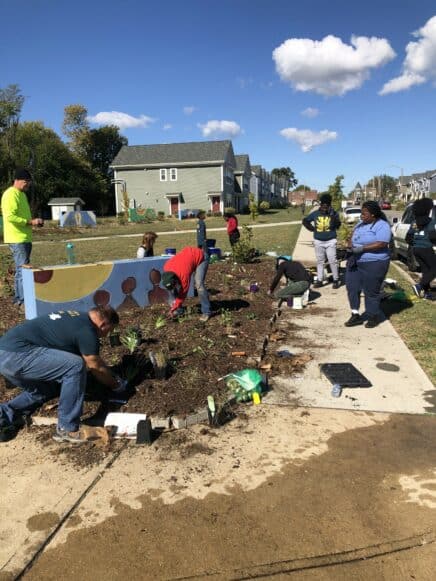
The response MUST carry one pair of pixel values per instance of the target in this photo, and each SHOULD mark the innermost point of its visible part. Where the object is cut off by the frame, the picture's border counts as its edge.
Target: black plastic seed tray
(344, 374)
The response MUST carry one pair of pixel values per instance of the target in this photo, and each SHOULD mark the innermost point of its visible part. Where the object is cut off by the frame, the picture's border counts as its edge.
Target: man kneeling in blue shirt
(51, 354)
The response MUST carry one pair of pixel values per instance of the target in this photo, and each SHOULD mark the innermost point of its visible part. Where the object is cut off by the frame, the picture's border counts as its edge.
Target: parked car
(400, 227)
(352, 215)
(386, 206)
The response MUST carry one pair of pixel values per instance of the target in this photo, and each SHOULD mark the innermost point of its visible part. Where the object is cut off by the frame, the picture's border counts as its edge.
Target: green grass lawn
(280, 239)
(416, 323)
(110, 226)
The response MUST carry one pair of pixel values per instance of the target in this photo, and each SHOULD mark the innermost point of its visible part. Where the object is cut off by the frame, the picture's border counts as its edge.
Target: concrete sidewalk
(398, 382)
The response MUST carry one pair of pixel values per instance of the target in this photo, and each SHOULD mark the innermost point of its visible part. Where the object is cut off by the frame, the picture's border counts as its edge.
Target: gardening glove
(120, 394)
(358, 249)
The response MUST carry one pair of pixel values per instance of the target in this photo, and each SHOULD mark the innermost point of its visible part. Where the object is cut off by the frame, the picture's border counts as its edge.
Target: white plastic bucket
(297, 303)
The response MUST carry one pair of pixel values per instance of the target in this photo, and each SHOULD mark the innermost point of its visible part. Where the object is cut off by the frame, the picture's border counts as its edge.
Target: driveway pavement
(291, 486)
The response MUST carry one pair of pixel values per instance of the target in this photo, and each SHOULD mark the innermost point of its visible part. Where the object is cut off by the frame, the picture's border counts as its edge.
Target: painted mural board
(124, 284)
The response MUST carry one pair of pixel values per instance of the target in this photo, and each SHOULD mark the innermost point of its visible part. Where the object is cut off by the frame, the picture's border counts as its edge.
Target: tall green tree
(57, 172)
(336, 192)
(287, 173)
(76, 128)
(386, 186)
(11, 104)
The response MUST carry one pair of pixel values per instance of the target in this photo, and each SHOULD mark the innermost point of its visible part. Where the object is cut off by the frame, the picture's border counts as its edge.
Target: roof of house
(173, 153)
(242, 162)
(64, 201)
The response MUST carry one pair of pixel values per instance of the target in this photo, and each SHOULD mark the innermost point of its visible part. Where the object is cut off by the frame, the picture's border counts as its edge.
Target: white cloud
(419, 65)
(330, 67)
(308, 139)
(188, 110)
(167, 126)
(121, 120)
(310, 112)
(220, 128)
(243, 83)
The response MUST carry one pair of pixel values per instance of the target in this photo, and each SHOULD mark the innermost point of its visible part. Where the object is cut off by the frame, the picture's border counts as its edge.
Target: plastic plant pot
(254, 287)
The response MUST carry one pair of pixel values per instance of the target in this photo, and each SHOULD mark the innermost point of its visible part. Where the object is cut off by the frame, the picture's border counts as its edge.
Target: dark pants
(367, 277)
(234, 237)
(426, 259)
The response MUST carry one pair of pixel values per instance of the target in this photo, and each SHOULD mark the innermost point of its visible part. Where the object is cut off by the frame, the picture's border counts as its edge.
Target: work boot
(354, 320)
(317, 284)
(62, 436)
(336, 284)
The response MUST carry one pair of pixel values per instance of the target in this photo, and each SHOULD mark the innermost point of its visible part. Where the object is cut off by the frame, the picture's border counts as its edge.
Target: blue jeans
(41, 373)
(21, 253)
(199, 278)
(367, 277)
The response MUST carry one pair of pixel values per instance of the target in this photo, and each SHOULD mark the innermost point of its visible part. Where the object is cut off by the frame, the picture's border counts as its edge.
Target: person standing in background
(323, 223)
(17, 226)
(232, 227)
(201, 231)
(422, 237)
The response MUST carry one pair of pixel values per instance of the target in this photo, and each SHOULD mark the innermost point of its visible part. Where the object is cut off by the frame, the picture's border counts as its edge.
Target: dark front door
(215, 203)
(174, 202)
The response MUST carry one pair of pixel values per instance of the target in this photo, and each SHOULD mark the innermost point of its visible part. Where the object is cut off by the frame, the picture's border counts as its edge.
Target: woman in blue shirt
(368, 264)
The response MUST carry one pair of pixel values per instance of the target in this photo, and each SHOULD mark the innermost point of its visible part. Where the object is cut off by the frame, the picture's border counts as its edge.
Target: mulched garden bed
(197, 354)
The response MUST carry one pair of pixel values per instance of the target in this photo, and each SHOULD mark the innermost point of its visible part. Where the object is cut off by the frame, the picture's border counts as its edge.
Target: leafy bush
(229, 210)
(161, 216)
(344, 233)
(263, 206)
(243, 251)
(122, 219)
(399, 206)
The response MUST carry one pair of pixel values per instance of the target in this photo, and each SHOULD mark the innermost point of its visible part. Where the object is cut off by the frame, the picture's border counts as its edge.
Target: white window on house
(163, 175)
(173, 174)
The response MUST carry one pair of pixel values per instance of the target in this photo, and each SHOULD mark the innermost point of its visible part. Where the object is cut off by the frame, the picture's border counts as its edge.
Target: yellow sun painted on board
(69, 283)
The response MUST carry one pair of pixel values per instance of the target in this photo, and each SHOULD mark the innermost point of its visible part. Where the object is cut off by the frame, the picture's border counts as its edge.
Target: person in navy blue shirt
(368, 264)
(201, 231)
(324, 223)
(48, 357)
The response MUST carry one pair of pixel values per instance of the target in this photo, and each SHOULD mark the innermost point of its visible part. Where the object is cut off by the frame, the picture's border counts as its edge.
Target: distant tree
(11, 104)
(335, 190)
(287, 173)
(57, 172)
(94, 147)
(76, 128)
(101, 146)
(303, 187)
(386, 186)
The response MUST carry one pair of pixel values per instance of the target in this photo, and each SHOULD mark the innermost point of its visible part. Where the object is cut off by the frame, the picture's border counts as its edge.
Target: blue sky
(325, 87)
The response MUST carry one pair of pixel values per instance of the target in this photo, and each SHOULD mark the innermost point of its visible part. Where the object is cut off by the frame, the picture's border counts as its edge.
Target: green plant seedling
(131, 339)
(226, 318)
(251, 316)
(160, 322)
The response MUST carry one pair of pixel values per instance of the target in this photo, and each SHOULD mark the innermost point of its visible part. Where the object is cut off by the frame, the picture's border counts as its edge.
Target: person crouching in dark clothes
(422, 237)
(297, 277)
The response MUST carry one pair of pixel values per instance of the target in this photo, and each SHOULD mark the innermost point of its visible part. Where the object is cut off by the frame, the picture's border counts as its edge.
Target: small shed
(60, 206)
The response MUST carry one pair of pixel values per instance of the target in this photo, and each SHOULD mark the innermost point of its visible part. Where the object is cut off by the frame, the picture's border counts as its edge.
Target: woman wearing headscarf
(422, 237)
(368, 264)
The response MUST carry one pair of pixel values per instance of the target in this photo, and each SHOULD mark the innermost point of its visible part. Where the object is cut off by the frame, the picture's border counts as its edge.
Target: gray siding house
(175, 177)
(242, 181)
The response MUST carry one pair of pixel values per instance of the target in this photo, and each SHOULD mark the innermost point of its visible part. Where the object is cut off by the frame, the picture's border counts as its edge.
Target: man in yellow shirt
(17, 226)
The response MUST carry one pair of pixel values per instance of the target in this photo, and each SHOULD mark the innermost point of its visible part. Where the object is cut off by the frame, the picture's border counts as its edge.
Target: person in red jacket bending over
(232, 227)
(177, 276)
